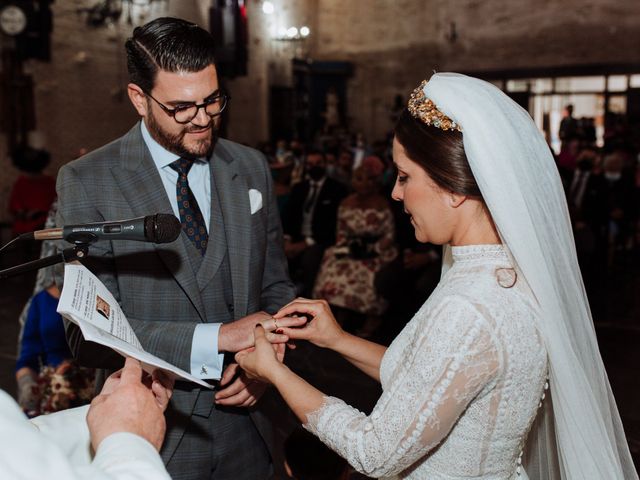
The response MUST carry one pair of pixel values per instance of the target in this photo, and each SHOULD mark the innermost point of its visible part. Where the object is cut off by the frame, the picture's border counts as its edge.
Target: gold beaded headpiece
(425, 110)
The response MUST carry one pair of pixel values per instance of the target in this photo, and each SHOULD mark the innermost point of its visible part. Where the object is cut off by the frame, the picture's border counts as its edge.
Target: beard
(175, 142)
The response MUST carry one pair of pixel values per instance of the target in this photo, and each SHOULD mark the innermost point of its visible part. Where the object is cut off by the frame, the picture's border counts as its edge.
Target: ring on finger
(275, 324)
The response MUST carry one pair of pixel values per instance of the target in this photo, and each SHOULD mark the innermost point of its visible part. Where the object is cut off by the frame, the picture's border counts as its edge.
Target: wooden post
(16, 96)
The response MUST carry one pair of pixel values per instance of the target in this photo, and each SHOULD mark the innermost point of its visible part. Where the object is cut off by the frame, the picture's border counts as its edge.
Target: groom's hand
(238, 335)
(241, 392)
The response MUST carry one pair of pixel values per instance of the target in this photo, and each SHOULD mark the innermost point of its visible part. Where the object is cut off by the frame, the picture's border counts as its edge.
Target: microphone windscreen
(162, 228)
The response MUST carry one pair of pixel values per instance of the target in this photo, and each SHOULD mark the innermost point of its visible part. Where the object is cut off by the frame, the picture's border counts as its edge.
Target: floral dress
(364, 243)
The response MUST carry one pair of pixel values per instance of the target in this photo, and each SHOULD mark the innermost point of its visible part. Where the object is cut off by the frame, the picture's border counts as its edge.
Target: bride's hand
(322, 329)
(261, 361)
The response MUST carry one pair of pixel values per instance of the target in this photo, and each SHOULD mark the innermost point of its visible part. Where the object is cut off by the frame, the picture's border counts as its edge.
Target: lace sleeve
(454, 356)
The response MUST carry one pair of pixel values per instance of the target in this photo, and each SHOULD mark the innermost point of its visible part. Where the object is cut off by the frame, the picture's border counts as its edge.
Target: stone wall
(80, 96)
(396, 44)
(393, 44)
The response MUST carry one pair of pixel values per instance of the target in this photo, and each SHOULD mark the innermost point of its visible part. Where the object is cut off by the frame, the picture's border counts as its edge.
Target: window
(517, 85)
(617, 83)
(580, 84)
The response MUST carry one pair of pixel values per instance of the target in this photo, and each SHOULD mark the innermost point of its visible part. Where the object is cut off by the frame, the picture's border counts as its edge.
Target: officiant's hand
(322, 329)
(160, 384)
(262, 361)
(126, 404)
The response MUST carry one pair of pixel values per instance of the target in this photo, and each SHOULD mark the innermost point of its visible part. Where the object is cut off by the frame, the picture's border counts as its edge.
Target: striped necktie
(191, 217)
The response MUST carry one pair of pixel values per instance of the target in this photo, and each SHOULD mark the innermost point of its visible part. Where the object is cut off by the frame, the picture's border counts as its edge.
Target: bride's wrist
(277, 373)
(339, 343)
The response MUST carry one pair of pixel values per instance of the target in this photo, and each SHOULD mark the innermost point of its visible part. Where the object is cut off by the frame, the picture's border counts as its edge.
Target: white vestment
(57, 446)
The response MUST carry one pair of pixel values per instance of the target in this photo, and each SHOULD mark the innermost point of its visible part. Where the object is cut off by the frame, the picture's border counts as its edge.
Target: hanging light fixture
(267, 7)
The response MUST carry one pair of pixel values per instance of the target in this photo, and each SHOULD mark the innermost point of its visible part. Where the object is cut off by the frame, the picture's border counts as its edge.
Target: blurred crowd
(348, 242)
(345, 239)
(602, 185)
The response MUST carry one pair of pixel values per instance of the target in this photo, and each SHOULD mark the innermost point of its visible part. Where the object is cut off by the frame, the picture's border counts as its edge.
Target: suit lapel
(233, 194)
(149, 197)
(217, 244)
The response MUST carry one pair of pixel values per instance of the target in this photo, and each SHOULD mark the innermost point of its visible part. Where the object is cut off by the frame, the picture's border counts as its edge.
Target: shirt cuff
(206, 361)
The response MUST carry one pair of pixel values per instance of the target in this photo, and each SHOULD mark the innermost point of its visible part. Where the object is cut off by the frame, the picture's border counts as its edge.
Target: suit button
(230, 307)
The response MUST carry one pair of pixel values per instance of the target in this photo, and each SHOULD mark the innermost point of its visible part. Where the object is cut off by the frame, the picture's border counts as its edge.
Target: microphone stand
(80, 250)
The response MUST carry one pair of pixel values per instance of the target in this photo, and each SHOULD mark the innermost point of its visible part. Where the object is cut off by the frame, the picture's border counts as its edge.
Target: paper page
(86, 302)
(85, 297)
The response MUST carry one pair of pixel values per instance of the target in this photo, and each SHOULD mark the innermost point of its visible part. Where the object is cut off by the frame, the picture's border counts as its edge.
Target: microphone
(158, 228)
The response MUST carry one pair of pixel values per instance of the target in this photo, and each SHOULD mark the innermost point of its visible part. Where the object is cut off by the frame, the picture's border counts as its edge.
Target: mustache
(194, 128)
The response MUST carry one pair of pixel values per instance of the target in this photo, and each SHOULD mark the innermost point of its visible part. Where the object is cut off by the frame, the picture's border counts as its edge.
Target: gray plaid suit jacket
(161, 290)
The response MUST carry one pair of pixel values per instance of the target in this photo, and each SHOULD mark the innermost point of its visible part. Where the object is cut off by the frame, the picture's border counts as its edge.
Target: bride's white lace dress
(461, 383)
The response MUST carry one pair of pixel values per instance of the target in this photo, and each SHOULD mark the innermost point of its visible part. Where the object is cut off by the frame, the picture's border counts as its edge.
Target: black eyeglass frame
(173, 111)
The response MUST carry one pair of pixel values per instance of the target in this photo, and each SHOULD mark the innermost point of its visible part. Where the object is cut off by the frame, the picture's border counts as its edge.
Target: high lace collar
(474, 253)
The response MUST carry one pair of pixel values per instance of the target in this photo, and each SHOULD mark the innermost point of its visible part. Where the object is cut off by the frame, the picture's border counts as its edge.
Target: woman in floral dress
(364, 243)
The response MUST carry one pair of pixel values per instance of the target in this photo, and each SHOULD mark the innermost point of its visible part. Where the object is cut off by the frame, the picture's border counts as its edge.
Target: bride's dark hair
(440, 153)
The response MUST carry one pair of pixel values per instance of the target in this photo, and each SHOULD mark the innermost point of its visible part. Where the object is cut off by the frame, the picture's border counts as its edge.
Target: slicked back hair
(169, 44)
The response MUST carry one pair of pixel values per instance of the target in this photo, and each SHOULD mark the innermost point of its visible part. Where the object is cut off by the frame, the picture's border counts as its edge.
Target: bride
(498, 375)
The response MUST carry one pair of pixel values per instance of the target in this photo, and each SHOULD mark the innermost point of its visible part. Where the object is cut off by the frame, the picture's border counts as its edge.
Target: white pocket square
(255, 199)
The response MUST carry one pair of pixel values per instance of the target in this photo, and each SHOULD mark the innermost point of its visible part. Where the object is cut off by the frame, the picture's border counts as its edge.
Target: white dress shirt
(206, 361)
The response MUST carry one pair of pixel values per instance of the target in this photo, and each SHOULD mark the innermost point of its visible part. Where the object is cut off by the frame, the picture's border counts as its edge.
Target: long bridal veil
(578, 433)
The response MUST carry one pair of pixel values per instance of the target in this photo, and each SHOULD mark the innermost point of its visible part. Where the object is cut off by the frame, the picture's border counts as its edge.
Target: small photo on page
(102, 307)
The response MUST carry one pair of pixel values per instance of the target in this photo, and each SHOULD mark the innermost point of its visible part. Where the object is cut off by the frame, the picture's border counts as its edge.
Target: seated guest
(365, 243)
(281, 173)
(409, 279)
(586, 197)
(33, 192)
(343, 167)
(48, 379)
(118, 437)
(621, 203)
(309, 221)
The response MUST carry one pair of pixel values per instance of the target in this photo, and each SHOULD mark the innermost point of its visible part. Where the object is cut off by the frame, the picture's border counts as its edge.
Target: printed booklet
(86, 302)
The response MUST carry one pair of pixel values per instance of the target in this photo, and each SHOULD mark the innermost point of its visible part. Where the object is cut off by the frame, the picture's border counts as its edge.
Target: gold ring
(275, 324)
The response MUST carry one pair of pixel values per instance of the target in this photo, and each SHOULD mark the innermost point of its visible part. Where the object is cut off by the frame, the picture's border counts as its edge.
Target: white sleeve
(449, 362)
(206, 362)
(69, 431)
(41, 449)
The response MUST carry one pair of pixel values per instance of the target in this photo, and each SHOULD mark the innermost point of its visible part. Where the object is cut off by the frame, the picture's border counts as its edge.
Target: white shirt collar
(317, 183)
(161, 156)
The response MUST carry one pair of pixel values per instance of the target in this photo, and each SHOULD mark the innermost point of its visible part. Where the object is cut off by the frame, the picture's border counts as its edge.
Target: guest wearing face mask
(586, 190)
(621, 203)
(309, 221)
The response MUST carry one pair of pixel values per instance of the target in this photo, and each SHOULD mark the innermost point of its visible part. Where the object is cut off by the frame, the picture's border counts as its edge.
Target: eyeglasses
(182, 114)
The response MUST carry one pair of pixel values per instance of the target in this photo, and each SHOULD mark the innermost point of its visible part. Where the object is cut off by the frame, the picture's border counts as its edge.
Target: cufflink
(203, 370)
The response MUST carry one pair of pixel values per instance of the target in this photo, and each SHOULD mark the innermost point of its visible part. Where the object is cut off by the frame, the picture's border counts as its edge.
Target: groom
(194, 299)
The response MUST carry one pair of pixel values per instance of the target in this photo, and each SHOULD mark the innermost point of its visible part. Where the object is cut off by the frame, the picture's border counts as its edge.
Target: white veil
(578, 434)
